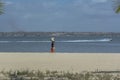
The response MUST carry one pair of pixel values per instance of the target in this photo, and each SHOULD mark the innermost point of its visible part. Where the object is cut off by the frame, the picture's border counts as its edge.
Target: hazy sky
(60, 15)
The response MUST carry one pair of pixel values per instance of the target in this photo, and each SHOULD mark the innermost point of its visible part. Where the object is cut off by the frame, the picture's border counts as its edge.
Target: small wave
(97, 40)
(72, 41)
(22, 41)
(5, 41)
(31, 41)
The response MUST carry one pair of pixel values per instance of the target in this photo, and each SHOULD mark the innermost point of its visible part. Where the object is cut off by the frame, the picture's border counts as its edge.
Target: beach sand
(72, 62)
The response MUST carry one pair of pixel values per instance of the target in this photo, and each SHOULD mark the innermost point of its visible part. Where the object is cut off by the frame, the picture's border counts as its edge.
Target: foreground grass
(56, 75)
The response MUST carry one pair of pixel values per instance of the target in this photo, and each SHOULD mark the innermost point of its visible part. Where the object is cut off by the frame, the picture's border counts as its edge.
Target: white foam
(72, 41)
(97, 40)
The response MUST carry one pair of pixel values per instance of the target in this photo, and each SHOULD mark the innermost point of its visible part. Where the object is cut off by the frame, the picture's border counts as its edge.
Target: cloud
(27, 16)
(99, 1)
(57, 14)
(8, 3)
(49, 4)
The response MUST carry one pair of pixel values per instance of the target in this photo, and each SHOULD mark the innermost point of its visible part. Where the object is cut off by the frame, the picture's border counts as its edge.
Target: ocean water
(70, 43)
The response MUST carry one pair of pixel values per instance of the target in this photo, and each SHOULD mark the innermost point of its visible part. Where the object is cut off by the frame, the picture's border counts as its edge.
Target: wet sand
(73, 62)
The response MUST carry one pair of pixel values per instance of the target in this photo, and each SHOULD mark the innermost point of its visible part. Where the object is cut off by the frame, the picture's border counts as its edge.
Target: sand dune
(75, 62)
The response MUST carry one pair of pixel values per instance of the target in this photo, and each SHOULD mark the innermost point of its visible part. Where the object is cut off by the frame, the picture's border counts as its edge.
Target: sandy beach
(75, 62)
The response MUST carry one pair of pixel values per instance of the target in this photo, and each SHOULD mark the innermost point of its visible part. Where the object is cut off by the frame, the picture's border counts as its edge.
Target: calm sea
(70, 43)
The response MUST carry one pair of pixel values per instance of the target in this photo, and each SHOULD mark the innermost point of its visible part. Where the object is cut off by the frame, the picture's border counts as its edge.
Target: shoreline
(76, 62)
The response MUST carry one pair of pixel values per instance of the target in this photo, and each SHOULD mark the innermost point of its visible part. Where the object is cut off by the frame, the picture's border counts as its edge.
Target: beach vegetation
(56, 75)
(1, 7)
(116, 6)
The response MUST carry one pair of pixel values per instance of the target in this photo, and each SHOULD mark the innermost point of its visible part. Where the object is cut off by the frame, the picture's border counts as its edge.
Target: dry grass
(56, 75)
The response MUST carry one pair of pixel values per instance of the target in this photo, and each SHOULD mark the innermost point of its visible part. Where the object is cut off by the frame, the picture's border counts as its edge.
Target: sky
(59, 16)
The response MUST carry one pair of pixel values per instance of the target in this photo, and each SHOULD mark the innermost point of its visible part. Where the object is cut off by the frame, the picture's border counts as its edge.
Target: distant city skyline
(59, 16)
